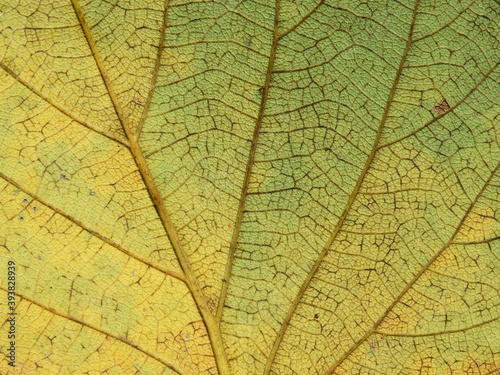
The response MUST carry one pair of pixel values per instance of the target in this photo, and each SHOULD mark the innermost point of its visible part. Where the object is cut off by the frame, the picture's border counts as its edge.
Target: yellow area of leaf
(87, 176)
(88, 281)
(43, 44)
(251, 187)
(49, 343)
(481, 224)
(127, 36)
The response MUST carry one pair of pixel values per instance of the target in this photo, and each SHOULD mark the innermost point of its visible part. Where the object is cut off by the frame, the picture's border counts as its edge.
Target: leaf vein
(352, 198)
(100, 330)
(250, 162)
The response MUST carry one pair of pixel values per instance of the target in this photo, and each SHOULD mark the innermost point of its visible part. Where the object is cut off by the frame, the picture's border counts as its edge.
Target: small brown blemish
(474, 115)
(316, 316)
(138, 99)
(261, 89)
(442, 107)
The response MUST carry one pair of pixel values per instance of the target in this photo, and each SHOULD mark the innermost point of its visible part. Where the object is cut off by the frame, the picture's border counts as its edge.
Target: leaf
(251, 187)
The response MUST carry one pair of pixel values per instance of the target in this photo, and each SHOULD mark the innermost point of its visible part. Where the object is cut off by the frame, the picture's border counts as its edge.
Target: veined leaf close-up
(250, 187)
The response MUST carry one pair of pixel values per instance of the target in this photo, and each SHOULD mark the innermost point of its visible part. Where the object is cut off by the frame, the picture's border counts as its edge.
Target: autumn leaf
(245, 187)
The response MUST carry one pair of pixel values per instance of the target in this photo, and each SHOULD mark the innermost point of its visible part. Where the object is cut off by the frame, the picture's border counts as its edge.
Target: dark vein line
(102, 71)
(477, 242)
(495, 371)
(451, 110)
(207, 99)
(353, 196)
(465, 281)
(187, 136)
(375, 21)
(416, 277)
(446, 24)
(224, 42)
(95, 233)
(97, 329)
(155, 72)
(337, 55)
(191, 280)
(302, 20)
(60, 109)
(242, 15)
(218, 71)
(251, 158)
(477, 325)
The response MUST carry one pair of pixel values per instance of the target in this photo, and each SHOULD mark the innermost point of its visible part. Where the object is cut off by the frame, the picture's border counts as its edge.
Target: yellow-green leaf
(250, 187)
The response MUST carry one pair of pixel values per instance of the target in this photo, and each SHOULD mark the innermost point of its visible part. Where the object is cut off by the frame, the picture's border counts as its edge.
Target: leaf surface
(288, 187)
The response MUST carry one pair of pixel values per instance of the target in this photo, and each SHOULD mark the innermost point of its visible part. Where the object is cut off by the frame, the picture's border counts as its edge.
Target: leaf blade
(342, 135)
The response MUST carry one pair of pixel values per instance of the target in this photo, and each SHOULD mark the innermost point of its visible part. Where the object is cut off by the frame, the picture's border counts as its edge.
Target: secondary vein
(248, 171)
(154, 78)
(62, 110)
(102, 331)
(416, 277)
(94, 232)
(351, 200)
(192, 282)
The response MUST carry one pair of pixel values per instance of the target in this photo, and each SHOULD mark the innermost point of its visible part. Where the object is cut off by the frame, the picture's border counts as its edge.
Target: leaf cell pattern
(251, 187)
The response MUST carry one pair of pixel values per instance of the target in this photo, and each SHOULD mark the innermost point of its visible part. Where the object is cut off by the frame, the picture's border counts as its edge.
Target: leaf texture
(274, 187)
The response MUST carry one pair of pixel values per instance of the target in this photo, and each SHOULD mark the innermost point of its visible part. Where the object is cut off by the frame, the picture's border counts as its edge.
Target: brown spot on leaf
(138, 99)
(442, 107)
(373, 346)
